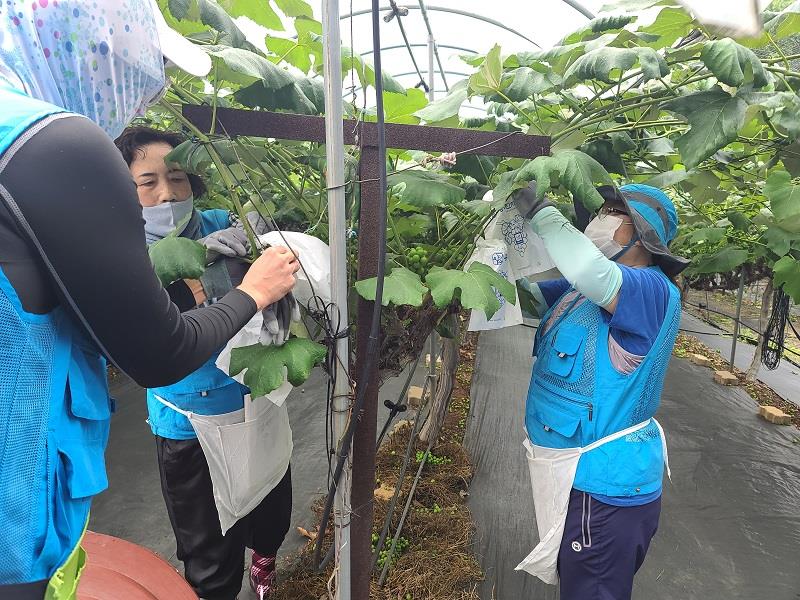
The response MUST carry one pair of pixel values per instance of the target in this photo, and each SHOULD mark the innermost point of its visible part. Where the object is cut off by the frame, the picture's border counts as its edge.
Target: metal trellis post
(334, 152)
(738, 315)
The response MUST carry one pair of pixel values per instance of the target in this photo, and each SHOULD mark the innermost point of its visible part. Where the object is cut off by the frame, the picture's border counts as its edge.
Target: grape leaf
(715, 118)
(446, 107)
(575, 170)
(238, 61)
(490, 76)
(779, 240)
(294, 8)
(782, 108)
(477, 288)
(724, 261)
(265, 364)
(733, 64)
(213, 15)
(712, 235)
(787, 274)
(257, 10)
(525, 82)
(426, 189)
(609, 64)
(668, 178)
(290, 98)
(670, 25)
(401, 108)
(784, 200)
(401, 287)
(176, 258)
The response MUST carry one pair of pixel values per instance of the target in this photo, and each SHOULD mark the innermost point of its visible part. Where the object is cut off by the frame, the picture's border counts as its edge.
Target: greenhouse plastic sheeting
(731, 516)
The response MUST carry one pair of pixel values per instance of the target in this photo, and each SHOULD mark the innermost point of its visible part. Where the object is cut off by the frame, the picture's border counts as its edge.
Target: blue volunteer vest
(207, 391)
(54, 411)
(576, 397)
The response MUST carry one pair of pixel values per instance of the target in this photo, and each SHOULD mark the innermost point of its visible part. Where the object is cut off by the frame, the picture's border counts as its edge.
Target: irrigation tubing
(388, 561)
(372, 343)
(427, 395)
(400, 398)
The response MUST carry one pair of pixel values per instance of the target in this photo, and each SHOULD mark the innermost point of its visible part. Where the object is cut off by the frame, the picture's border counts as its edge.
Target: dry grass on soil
(438, 563)
(760, 392)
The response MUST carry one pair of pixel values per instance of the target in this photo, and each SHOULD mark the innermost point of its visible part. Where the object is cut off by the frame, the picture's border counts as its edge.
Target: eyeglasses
(607, 211)
(610, 210)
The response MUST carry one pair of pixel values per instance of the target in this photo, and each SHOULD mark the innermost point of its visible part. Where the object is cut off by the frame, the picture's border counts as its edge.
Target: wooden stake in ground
(445, 383)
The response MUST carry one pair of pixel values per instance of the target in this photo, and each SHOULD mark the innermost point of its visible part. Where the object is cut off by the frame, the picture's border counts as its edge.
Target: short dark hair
(133, 139)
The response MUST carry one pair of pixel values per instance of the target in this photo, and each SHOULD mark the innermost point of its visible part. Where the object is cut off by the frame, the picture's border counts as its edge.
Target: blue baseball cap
(654, 218)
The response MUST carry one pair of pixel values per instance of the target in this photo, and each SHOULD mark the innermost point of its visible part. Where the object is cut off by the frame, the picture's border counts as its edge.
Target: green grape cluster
(433, 459)
(402, 546)
(417, 260)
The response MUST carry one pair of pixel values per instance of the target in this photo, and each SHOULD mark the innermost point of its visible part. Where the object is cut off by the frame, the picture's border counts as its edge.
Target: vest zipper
(588, 405)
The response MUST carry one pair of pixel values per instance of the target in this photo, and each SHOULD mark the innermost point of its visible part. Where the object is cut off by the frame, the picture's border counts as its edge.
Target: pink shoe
(263, 575)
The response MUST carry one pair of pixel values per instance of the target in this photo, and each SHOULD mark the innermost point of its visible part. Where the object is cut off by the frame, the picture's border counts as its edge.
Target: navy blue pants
(603, 547)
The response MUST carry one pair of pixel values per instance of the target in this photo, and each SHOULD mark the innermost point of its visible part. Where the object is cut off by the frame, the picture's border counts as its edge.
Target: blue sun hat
(654, 219)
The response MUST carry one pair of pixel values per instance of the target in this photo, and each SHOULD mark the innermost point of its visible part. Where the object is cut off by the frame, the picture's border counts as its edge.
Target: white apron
(552, 475)
(248, 453)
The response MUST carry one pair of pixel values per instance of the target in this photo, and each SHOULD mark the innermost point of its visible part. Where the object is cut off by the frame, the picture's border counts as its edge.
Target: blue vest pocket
(563, 424)
(84, 467)
(554, 421)
(88, 387)
(565, 351)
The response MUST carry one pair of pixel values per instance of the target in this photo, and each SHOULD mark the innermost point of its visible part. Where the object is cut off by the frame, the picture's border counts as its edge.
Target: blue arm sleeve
(578, 259)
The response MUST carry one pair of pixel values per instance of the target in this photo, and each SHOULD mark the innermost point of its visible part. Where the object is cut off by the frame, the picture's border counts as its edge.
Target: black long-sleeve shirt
(68, 200)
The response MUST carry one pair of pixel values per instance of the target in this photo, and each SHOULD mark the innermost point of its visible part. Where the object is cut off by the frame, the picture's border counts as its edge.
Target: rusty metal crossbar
(286, 126)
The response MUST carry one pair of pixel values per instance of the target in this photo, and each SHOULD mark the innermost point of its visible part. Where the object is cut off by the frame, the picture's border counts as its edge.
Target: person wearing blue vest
(213, 562)
(76, 283)
(595, 452)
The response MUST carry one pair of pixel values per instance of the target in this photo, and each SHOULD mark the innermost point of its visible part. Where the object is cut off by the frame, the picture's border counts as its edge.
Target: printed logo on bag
(514, 234)
(576, 546)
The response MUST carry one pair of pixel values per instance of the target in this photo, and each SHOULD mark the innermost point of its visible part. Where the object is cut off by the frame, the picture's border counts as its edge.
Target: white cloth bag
(511, 248)
(247, 451)
(552, 473)
(314, 278)
(526, 252)
(315, 261)
(508, 314)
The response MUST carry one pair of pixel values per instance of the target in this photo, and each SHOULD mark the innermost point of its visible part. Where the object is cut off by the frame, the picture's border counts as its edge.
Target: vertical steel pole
(738, 314)
(334, 152)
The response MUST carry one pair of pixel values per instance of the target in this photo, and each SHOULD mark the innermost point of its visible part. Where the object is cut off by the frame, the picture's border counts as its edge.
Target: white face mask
(601, 231)
(164, 218)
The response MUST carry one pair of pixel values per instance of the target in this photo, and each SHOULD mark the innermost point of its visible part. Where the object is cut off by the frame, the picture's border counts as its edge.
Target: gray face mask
(164, 218)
